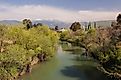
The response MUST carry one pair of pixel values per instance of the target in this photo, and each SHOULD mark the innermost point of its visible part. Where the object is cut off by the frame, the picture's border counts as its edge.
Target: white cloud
(52, 13)
(98, 15)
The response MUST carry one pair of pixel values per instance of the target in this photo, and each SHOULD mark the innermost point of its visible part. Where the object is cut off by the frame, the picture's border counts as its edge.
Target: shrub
(25, 45)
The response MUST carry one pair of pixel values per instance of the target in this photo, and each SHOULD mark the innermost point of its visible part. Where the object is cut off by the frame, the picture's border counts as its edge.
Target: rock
(41, 57)
(23, 71)
(35, 60)
(2, 50)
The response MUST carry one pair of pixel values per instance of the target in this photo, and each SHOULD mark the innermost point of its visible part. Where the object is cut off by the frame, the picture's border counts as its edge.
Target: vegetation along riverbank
(103, 44)
(23, 46)
(28, 44)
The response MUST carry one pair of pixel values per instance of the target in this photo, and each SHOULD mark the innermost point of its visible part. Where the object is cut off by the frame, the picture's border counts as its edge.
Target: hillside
(60, 24)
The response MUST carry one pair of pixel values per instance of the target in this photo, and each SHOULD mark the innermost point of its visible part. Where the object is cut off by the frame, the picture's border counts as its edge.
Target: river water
(66, 66)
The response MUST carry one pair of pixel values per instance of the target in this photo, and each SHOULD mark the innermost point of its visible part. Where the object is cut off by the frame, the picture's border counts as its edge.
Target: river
(66, 66)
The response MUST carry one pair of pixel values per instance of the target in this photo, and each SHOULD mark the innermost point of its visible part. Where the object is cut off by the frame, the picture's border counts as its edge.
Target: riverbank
(65, 66)
(35, 60)
(100, 67)
(102, 44)
(22, 48)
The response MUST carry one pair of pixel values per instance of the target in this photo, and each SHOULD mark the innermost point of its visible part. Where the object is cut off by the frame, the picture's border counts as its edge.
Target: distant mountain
(50, 23)
(53, 23)
(9, 22)
(60, 24)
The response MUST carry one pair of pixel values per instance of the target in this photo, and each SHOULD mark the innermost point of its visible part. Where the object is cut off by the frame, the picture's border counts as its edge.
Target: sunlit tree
(27, 23)
(75, 26)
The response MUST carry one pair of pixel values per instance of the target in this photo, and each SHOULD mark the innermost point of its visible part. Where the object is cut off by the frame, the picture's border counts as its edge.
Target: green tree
(119, 19)
(56, 28)
(39, 42)
(39, 24)
(75, 26)
(27, 23)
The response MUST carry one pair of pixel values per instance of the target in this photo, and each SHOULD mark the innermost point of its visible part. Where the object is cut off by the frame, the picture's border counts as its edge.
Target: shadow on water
(84, 72)
(67, 66)
(85, 69)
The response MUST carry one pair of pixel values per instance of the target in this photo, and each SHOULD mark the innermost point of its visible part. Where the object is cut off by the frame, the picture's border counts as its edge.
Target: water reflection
(85, 68)
(84, 72)
(67, 65)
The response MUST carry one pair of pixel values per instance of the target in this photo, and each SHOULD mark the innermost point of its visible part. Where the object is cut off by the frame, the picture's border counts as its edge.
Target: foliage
(103, 44)
(75, 26)
(56, 28)
(27, 23)
(119, 19)
(65, 35)
(25, 45)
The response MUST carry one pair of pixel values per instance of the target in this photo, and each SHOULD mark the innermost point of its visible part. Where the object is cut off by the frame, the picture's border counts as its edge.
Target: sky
(62, 10)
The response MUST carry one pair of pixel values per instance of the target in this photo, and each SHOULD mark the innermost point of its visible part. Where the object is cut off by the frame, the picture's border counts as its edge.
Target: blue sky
(73, 9)
(71, 4)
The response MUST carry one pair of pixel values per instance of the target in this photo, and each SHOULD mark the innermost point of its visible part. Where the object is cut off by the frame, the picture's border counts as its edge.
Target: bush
(25, 45)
